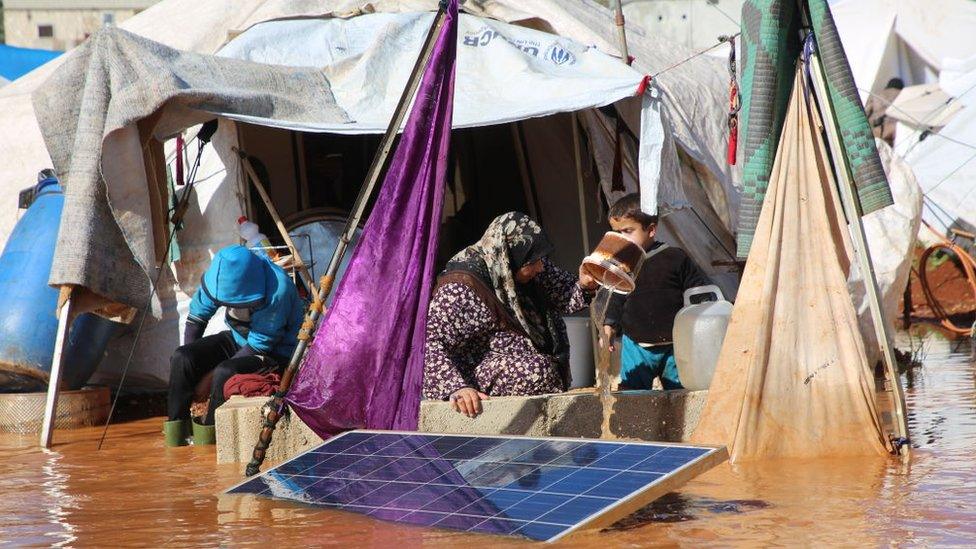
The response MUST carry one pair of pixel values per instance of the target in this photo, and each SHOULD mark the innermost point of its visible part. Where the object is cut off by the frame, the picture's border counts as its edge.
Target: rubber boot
(175, 432)
(203, 434)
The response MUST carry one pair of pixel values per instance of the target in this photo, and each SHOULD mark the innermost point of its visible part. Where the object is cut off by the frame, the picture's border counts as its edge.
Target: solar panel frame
(605, 516)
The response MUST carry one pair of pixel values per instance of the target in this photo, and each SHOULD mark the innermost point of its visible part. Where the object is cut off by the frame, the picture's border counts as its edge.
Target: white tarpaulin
(908, 39)
(505, 73)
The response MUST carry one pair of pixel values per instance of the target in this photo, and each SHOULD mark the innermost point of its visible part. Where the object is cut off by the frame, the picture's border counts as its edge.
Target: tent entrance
(527, 166)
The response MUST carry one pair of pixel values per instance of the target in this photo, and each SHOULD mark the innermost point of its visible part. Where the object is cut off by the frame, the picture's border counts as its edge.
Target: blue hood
(236, 278)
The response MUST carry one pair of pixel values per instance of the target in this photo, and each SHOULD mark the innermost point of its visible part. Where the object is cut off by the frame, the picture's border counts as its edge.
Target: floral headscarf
(512, 241)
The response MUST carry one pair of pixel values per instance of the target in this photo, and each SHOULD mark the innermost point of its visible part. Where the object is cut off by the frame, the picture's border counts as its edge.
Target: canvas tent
(220, 193)
(691, 107)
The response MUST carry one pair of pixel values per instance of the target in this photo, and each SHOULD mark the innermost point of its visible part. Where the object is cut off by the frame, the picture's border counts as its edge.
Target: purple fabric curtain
(364, 368)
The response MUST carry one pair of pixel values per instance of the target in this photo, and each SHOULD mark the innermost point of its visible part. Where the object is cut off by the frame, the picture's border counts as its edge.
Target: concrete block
(574, 415)
(665, 416)
(238, 424)
(499, 416)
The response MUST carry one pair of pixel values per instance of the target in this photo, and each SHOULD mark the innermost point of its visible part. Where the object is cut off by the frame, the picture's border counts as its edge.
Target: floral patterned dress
(470, 343)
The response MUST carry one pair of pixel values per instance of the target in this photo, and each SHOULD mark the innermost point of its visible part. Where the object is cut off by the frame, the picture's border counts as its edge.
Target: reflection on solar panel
(540, 488)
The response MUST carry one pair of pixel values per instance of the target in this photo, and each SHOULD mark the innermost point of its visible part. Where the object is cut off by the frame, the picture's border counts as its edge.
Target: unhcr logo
(559, 55)
(556, 54)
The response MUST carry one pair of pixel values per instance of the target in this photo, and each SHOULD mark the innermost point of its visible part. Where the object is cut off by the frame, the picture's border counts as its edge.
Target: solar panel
(540, 488)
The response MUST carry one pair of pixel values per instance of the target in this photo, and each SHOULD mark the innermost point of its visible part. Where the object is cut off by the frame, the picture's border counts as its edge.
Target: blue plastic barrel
(28, 325)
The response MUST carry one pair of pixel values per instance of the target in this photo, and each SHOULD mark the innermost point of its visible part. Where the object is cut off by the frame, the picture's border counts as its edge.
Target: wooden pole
(299, 262)
(578, 155)
(275, 407)
(57, 368)
(845, 182)
(528, 183)
(621, 30)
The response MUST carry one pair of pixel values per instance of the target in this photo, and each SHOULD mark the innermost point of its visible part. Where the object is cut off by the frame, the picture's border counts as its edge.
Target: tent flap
(88, 111)
(793, 348)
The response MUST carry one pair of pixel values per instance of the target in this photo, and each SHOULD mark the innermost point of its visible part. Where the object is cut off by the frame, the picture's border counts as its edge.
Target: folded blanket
(252, 384)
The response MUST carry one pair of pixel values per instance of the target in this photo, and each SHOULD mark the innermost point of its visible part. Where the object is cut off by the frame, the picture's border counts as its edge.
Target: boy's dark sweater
(646, 315)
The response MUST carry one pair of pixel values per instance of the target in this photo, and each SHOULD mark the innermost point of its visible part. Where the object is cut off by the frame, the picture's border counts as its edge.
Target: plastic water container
(255, 239)
(699, 331)
(28, 324)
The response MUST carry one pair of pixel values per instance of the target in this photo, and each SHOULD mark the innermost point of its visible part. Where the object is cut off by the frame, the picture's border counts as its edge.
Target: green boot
(175, 432)
(203, 434)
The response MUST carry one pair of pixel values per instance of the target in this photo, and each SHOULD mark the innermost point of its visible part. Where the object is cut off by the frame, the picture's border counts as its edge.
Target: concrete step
(666, 416)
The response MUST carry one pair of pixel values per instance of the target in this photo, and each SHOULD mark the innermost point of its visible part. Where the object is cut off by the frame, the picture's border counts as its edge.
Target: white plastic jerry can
(699, 331)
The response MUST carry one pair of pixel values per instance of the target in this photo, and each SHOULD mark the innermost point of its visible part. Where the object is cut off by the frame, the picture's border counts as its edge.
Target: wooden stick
(845, 182)
(256, 181)
(528, 186)
(57, 368)
(578, 154)
(621, 30)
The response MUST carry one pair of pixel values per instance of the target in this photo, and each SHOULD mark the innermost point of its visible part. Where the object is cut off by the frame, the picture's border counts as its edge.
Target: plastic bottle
(699, 331)
(255, 239)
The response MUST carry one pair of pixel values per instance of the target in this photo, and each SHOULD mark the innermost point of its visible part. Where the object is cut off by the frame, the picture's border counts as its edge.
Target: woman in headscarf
(495, 325)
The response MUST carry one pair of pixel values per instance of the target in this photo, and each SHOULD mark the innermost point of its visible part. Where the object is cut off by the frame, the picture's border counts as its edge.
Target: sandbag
(793, 378)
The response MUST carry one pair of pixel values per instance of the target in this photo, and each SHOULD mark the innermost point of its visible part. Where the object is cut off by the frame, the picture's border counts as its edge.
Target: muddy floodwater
(134, 492)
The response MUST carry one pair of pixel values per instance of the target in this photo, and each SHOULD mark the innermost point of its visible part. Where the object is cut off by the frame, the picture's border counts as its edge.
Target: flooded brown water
(134, 492)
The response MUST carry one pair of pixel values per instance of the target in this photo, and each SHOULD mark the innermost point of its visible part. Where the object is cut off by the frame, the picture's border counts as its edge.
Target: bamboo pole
(845, 182)
(275, 407)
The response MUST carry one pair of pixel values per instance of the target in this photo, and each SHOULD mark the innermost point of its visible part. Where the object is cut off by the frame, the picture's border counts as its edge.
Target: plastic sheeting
(793, 378)
(16, 62)
(505, 73)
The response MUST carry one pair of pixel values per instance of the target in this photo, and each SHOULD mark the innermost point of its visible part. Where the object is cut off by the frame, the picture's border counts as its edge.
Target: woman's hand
(467, 401)
(586, 281)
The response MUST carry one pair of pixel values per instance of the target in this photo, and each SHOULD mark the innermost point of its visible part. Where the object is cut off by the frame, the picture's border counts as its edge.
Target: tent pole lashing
(845, 182)
(274, 408)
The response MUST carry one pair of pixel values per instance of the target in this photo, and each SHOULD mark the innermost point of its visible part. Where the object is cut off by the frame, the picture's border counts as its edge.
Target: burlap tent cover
(793, 379)
(99, 113)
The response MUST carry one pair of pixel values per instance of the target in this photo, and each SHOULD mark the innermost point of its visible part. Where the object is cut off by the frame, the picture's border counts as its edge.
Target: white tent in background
(945, 162)
(692, 108)
(907, 39)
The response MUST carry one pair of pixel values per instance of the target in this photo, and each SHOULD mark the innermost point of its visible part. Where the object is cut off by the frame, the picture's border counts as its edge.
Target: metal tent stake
(845, 182)
(275, 407)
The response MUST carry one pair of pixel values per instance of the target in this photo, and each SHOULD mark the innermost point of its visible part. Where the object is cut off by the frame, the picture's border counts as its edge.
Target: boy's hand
(586, 281)
(608, 335)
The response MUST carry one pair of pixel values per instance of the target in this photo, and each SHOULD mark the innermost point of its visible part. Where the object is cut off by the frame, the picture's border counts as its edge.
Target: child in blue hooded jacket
(264, 314)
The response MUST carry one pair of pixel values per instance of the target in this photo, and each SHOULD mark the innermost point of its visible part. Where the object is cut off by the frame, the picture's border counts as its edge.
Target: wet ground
(134, 492)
